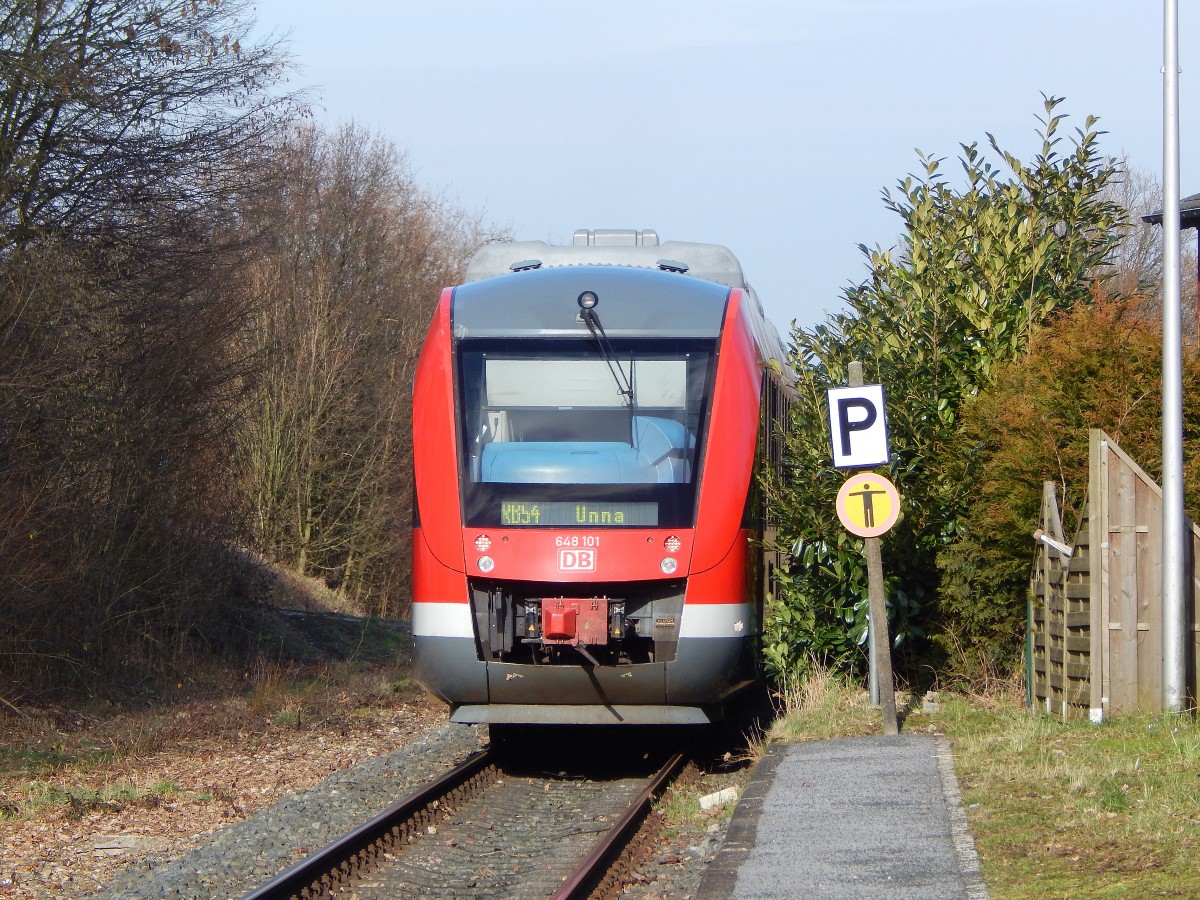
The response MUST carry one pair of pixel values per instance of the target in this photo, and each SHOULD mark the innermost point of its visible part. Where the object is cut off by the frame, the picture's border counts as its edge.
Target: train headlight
(668, 565)
(588, 300)
(672, 544)
(486, 564)
(482, 543)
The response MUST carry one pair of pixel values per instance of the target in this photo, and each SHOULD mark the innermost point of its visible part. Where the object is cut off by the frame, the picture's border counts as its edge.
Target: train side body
(582, 544)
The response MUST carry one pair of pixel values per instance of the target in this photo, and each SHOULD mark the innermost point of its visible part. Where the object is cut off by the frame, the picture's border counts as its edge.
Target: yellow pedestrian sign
(868, 505)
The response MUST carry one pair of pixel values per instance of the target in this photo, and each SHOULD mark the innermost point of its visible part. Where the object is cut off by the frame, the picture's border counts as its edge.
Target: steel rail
(310, 870)
(584, 879)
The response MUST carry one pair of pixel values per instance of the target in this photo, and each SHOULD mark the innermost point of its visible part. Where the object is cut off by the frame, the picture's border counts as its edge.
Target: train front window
(557, 434)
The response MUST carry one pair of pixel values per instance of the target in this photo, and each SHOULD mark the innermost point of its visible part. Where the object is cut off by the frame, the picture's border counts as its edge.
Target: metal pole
(1174, 533)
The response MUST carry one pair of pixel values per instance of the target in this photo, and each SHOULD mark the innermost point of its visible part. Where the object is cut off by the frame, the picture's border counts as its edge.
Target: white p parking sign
(858, 426)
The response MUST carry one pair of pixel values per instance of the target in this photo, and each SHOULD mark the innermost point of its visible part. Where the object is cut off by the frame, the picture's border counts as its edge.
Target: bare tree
(1138, 259)
(112, 107)
(357, 256)
(128, 138)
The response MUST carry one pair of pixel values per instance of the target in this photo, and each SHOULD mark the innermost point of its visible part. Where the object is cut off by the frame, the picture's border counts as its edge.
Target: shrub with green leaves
(1096, 367)
(977, 268)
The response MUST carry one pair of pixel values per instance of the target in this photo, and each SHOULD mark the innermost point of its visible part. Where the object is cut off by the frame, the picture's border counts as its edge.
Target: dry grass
(820, 706)
(280, 586)
(58, 759)
(166, 771)
(318, 673)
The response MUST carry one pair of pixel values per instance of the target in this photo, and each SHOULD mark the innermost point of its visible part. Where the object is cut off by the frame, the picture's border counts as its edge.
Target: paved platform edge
(960, 833)
(721, 875)
(720, 878)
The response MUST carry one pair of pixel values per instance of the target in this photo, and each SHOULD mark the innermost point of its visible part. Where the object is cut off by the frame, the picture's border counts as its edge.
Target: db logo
(577, 560)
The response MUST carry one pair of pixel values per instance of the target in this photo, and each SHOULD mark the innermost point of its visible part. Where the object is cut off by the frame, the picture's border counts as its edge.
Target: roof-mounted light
(588, 300)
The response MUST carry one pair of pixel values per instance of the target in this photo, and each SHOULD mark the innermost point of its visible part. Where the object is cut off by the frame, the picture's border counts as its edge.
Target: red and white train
(587, 425)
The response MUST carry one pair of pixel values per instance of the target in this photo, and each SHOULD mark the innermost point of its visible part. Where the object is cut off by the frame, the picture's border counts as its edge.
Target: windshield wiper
(624, 385)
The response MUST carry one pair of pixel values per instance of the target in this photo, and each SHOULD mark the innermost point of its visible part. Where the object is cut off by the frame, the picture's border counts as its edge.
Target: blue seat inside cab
(658, 455)
(566, 462)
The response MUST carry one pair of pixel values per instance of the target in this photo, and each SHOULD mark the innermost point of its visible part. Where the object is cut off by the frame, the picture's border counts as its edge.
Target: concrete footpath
(855, 817)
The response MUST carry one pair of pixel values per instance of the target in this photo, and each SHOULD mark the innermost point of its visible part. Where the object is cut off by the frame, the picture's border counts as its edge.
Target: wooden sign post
(868, 505)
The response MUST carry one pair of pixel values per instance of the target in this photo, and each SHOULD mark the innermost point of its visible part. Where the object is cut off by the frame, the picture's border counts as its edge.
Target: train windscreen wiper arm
(624, 385)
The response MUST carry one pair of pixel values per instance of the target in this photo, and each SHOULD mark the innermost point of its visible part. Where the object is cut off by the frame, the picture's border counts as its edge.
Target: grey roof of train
(632, 302)
(709, 262)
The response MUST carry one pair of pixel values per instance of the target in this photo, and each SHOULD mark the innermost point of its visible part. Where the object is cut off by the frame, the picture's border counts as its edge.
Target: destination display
(570, 513)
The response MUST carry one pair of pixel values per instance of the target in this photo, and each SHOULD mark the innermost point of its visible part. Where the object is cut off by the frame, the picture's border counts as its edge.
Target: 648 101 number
(577, 540)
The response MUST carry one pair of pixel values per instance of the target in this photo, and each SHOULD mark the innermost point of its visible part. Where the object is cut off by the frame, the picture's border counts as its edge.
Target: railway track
(493, 826)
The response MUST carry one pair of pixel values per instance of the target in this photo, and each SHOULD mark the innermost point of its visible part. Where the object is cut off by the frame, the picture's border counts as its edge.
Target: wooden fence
(1095, 611)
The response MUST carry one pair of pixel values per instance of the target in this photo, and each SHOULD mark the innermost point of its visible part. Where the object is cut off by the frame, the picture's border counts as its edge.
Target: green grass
(287, 717)
(685, 822)
(36, 796)
(1073, 809)
(47, 760)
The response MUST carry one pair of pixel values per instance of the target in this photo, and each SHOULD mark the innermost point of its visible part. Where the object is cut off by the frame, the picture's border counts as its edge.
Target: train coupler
(575, 621)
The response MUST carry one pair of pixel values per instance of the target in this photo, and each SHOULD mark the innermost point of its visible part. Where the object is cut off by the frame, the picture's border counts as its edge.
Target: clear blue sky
(770, 126)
